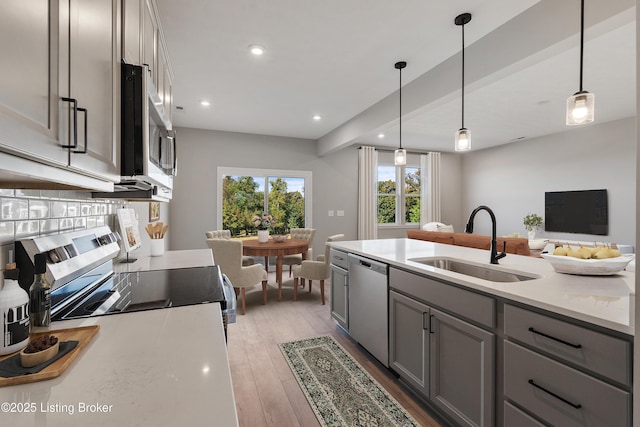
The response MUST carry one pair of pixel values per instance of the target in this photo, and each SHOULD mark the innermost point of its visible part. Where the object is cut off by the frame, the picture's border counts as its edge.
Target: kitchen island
(538, 348)
(148, 368)
(605, 301)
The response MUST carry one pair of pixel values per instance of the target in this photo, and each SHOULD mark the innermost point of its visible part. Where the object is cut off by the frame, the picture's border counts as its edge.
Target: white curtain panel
(367, 193)
(430, 205)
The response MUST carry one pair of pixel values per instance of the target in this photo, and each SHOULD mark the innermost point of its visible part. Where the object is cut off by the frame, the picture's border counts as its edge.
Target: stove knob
(71, 250)
(53, 256)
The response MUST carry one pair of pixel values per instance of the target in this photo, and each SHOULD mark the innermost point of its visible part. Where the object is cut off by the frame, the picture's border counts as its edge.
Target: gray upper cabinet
(150, 40)
(29, 98)
(132, 21)
(58, 97)
(93, 80)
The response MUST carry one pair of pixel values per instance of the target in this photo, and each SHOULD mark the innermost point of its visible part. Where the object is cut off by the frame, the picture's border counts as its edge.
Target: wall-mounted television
(584, 212)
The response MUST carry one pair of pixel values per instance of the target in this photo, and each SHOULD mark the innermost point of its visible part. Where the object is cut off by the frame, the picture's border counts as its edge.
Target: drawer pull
(555, 339)
(577, 406)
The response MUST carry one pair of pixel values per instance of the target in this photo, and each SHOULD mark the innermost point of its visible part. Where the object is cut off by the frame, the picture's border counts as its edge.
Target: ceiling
(336, 58)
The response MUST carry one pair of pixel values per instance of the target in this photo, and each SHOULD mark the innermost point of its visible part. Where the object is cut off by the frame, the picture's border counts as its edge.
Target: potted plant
(532, 222)
(262, 221)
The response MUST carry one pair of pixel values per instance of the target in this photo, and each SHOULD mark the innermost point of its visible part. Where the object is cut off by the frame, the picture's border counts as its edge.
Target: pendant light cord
(581, 40)
(400, 117)
(463, 75)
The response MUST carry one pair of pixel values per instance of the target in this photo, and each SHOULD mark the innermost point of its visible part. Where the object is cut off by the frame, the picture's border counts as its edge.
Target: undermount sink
(479, 271)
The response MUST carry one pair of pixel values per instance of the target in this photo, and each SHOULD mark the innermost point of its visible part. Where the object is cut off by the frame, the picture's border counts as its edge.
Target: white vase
(263, 236)
(532, 235)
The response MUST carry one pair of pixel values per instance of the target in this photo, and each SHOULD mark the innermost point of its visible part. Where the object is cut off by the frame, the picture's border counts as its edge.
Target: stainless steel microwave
(148, 147)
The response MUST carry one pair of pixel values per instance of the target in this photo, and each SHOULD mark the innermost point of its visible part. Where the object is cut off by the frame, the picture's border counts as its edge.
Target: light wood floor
(266, 392)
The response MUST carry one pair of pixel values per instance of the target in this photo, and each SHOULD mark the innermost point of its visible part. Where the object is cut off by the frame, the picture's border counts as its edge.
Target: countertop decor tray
(83, 335)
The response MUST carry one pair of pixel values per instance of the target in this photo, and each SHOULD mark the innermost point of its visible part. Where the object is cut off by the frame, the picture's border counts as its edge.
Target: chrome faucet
(495, 256)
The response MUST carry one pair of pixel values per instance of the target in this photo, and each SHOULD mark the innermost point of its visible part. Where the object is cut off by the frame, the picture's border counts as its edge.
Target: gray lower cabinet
(409, 340)
(449, 361)
(462, 370)
(340, 295)
(559, 394)
(565, 374)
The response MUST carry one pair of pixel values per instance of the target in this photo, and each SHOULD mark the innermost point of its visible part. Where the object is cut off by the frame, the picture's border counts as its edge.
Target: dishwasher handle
(358, 261)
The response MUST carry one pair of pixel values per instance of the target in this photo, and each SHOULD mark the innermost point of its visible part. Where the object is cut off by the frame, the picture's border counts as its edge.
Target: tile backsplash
(29, 213)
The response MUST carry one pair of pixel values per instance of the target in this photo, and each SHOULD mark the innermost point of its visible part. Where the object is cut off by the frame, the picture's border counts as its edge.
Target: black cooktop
(144, 290)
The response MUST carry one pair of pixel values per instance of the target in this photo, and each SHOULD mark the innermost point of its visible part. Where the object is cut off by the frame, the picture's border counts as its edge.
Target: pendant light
(400, 155)
(581, 106)
(463, 135)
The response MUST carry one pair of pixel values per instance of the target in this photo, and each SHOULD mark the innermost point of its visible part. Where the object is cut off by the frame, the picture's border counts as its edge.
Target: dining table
(253, 247)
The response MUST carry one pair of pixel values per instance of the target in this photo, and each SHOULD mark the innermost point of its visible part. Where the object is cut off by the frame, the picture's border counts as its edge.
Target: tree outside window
(244, 196)
(398, 204)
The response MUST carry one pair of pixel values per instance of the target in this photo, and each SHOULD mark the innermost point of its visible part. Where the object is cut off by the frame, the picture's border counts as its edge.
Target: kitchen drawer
(560, 395)
(339, 258)
(597, 352)
(515, 417)
(466, 304)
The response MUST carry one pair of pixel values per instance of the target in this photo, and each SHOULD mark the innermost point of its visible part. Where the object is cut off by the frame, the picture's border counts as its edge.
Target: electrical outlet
(330, 213)
(340, 213)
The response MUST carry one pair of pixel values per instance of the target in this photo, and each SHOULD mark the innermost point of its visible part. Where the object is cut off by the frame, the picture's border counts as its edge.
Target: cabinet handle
(577, 406)
(74, 103)
(86, 141)
(424, 321)
(430, 324)
(555, 339)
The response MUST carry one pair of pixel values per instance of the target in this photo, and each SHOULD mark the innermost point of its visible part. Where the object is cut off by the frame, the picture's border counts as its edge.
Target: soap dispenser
(14, 314)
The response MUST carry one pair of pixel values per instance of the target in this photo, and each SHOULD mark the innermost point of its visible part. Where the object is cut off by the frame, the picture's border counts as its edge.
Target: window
(398, 204)
(285, 195)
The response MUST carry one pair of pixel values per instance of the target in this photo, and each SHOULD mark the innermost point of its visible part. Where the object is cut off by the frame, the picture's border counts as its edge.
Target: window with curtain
(398, 191)
(285, 195)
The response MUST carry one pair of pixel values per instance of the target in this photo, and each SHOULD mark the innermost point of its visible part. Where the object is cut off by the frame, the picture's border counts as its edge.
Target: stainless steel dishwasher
(368, 306)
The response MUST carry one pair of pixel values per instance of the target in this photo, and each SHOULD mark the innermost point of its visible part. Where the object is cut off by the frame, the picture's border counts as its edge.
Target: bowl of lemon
(587, 261)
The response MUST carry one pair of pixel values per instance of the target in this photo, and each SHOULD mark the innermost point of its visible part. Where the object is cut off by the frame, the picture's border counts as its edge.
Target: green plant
(532, 222)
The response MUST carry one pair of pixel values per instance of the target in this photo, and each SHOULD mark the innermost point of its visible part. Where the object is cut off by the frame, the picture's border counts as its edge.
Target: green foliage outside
(242, 200)
(387, 198)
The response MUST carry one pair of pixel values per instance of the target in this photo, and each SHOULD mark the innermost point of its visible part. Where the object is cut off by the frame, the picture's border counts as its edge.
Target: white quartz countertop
(150, 368)
(606, 301)
(169, 260)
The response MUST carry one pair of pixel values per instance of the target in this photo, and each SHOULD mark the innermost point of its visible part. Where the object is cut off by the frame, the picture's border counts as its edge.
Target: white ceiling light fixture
(581, 106)
(317, 117)
(400, 155)
(463, 135)
(205, 103)
(256, 49)
(381, 135)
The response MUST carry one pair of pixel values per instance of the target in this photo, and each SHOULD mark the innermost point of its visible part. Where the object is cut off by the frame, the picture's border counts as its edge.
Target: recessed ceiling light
(205, 103)
(381, 135)
(317, 118)
(256, 49)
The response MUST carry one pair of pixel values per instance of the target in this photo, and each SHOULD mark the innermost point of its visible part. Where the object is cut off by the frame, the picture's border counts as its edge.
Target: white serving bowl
(588, 267)
(538, 244)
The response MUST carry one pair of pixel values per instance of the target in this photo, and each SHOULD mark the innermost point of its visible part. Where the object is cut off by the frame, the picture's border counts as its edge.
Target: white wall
(512, 179)
(193, 208)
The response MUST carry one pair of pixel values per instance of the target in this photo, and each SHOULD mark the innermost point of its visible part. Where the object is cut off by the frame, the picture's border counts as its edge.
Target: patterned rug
(339, 390)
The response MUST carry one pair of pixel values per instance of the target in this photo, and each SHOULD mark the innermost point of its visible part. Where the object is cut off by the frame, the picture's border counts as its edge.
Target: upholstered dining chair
(300, 234)
(315, 270)
(226, 234)
(227, 255)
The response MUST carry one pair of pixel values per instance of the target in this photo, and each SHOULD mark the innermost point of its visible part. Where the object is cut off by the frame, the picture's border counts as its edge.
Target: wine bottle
(40, 294)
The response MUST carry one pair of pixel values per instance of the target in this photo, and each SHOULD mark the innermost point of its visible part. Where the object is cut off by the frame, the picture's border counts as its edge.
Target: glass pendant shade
(400, 157)
(580, 108)
(463, 140)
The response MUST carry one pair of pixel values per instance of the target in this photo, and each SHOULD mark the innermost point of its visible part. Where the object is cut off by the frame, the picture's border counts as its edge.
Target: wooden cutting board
(82, 334)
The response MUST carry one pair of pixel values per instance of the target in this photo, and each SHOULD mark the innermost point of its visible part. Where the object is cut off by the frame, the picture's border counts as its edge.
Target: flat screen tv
(584, 212)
